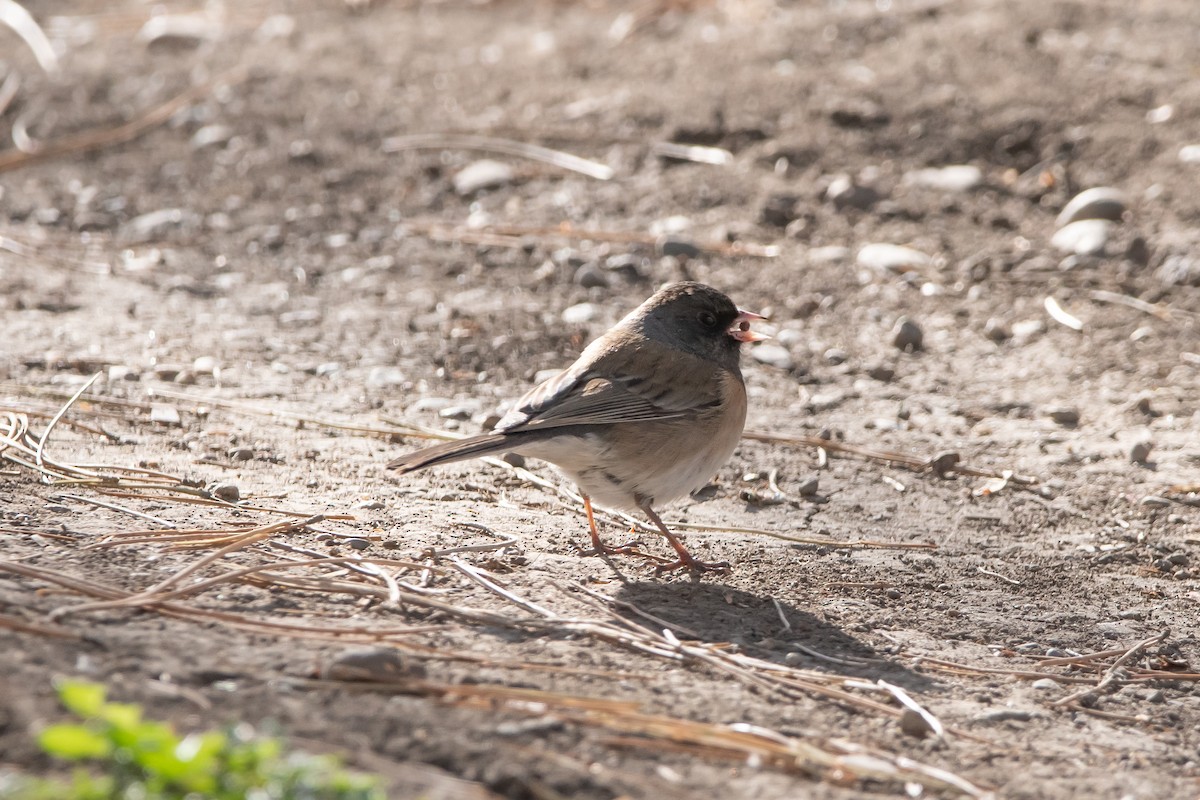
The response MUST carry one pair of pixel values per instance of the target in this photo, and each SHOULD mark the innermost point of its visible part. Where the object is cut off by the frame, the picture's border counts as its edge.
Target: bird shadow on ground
(754, 622)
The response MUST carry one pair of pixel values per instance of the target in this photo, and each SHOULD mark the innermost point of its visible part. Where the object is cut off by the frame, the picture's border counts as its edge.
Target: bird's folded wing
(587, 397)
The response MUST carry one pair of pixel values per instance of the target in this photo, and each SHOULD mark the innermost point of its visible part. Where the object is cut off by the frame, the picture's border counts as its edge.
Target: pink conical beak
(740, 329)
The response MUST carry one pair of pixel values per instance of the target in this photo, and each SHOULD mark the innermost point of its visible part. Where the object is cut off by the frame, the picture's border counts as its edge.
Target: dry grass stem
(452, 141)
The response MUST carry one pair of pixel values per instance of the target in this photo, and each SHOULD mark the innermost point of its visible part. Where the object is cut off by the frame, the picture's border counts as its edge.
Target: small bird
(646, 415)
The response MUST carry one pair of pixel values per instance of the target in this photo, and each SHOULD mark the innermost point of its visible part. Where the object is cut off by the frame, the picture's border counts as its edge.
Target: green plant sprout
(125, 757)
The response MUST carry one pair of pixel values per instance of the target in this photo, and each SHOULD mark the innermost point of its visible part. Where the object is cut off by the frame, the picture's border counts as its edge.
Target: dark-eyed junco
(646, 415)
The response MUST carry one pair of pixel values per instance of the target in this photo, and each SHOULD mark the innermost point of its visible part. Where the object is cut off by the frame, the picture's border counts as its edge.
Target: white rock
(211, 135)
(205, 365)
(772, 355)
(167, 415)
(892, 258)
(1190, 154)
(385, 376)
(1101, 202)
(954, 178)
(580, 313)
(182, 28)
(482, 174)
(156, 224)
(833, 254)
(1087, 237)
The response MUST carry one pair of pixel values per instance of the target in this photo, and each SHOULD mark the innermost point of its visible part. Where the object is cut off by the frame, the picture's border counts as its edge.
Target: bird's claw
(627, 549)
(722, 567)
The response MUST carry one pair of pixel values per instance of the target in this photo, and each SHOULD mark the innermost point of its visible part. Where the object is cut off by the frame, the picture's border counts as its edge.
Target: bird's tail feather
(460, 450)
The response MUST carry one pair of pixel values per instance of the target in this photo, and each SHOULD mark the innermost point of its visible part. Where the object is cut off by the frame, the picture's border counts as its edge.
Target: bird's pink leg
(686, 559)
(599, 547)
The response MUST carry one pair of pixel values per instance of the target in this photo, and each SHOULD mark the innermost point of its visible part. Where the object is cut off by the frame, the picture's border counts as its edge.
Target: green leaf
(83, 698)
(74, 741)
(123, 716)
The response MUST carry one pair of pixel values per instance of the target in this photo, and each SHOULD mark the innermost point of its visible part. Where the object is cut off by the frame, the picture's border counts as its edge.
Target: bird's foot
(600, 549)
(695, 565)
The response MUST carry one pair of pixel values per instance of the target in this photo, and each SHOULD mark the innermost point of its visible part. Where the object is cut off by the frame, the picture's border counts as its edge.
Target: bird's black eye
(708, 319)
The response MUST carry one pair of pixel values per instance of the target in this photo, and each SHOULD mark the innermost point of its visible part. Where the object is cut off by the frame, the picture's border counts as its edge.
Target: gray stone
(229, 492)
(907, 335)
(844, 193)
(590, 276)
(1063, 415)
(1140, 452)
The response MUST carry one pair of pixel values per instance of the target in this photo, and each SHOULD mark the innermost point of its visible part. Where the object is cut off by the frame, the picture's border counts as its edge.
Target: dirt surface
(305, 288)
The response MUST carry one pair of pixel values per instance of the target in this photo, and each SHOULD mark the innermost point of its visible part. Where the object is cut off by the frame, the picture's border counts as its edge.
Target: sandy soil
(298, 292)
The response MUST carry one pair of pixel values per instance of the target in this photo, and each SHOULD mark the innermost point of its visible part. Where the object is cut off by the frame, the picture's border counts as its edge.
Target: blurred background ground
(275, 257)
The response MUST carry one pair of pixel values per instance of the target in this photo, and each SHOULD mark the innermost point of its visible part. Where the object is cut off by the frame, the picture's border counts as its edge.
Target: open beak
(740, 329)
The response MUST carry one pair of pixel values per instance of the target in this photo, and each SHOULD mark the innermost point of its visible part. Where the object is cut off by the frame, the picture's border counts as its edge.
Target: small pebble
(677, 246)
(881, 372)
(833, 254)
(590, 276)
(997, 330)
(772, 355)
(372, 664)
(1155, 500)
(357, 543)
(58, 508)
(154, 225)
(892, 594)
(1063, 415)
(1178, 559)
(1140, 452)
(954, 178)
(891, 258)
(1026, 329)
(241, 453)
(1179, 269)
(385, 377)
(1087, 237)
(1190, 154)
(370, 505)
(461, 413)
(627, 265)
(793, 658)
(1044, 683)
(907, 335)
(835, 356)
(580, 313)
(211, 135)
(1004, 715)
(913, 724)
(526, 727)
(229, 492)
(844, 193)
(1102, 202)
(482, 174)
(1057, 652)
(204, 365)
(809, 486)
(165, 414)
